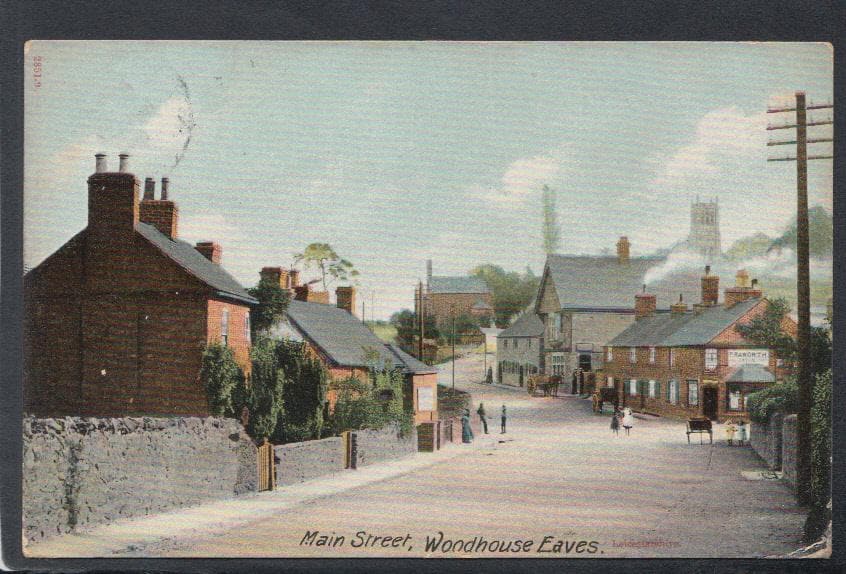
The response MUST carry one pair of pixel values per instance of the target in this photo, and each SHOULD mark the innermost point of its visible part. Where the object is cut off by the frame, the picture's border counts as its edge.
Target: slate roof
(187, 257)
(342, 337)
(668, 330)
(751, 374)
(442, 284)
(526, 325)
(602, 282)
(409, 364)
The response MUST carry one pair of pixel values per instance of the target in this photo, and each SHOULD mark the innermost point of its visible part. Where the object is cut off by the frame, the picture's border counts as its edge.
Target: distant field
(384, 331)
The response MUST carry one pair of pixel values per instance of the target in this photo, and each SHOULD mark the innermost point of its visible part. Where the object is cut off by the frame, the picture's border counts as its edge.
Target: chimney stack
(710, 287)
(304, 293)
(623, 248)
(112, 202)
(645, 304)
(679, 308)
(210, 250)
(124, 163)
(742, 290)
(149, 189)
(100, 163)
(345, 298)
(162, 213)
(295, 278)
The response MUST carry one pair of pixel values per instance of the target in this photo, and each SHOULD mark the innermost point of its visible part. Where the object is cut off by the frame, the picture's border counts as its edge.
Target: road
(558, 475)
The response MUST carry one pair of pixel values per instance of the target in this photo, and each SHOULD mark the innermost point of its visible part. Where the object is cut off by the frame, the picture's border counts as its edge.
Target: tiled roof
(441, 284)
(751, 374)
(187, 257)
(339, 335)
(409, 363)
(676, 330)
(526, 325)
(602, 282)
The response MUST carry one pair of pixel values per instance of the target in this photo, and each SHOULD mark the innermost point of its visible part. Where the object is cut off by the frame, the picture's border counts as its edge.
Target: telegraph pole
(803, 281)
(421, 320)
(453, 347)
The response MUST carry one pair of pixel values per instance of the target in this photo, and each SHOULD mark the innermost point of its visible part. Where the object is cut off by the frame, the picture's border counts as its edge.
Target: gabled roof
(442, 284)
(409, 364)
(602, 282)
(677, 330)
(526, 325)
(186, 256)
(751, 374)
(340, 336)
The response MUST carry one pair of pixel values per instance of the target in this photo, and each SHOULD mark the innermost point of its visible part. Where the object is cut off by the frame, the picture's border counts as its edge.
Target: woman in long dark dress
(615, 423)
(466, 431)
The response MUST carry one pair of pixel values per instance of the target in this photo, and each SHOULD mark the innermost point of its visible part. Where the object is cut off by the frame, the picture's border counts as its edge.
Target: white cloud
(525, 177)
(171, 124)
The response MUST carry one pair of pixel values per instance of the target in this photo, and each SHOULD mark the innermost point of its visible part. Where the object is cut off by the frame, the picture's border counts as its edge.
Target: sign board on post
(737, 357)
(425, 399)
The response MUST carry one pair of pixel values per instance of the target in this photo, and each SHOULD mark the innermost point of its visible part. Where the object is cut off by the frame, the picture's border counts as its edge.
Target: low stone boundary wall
(78, 472)
(788, 451)
(766, 440)
(302, 461)
(385, 443)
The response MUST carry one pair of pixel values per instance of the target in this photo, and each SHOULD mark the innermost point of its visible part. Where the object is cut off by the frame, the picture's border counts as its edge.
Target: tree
(511, 291)
(304, 395)
(408, 329)
(324, 258)
(273, 301)
(220, 375)
(265, 391)
(551, 228)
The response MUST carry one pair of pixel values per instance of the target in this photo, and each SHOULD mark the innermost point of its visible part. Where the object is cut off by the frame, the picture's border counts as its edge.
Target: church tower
(705, 229)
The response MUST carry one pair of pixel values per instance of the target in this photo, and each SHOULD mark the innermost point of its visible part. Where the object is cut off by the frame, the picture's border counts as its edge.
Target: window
(652, 355)
(505, 343)
(632, 355)
(710, 359)
(554, 326)
(632, 387)
(609, 382)
(653, 387)
(585, 362)
(672, 357)
(224, 327)
(529, 341)
(692, 393)
(734, 397)
(610, 356)
(247, 327)
(558, 364)
(673, 392)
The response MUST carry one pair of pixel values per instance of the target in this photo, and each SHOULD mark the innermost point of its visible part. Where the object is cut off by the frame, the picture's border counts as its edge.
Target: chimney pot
(165, 182)
(754, 283)
(707, 269)
(149, 189)
(124, 163)
(100, 163)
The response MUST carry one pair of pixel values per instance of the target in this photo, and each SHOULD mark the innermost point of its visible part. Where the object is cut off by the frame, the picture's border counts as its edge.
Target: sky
(395, 152)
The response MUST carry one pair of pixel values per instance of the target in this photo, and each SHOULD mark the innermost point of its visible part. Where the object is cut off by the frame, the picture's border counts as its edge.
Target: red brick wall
(163, 215)
(441, 304)
(239, 338)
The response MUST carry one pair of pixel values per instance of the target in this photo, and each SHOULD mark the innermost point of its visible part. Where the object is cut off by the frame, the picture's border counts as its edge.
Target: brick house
(346, 346)
(689, 363)
(445, 296)
(519, 348)
(585, 301)
(117, 318)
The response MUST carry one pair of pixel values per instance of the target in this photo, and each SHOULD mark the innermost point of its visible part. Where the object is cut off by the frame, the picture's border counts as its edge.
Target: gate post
(350, 449)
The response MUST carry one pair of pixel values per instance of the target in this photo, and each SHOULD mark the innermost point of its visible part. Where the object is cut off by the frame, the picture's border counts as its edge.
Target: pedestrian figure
(730, 432)
(575, 382)
(628, 420)
(481, 413)
(466, 431)
(742, 433)
(615, 422)
(503, 419)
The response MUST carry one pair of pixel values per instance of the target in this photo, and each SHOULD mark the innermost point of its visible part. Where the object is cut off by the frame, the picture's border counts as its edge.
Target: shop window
(735, 399)
(692, 393)
(710, 359)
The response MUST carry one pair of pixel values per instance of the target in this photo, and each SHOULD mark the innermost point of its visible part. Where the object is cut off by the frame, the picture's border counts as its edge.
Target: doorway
(709, 402)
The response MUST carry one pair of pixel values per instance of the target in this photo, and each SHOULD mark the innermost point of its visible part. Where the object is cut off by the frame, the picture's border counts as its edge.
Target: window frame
(651, 355)
(693, 384)
(224, 326)
(610, 354)
(633, 355)
(714, 361)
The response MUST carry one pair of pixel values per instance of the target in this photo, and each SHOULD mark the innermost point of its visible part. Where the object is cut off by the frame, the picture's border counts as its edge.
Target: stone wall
(788, 451)
(385, 443)
(766, 440)
(302, 461)
(79, 472)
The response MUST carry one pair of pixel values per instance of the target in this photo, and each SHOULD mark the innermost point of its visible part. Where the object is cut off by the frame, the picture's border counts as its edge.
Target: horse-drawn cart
(700, 426)
(548, 385)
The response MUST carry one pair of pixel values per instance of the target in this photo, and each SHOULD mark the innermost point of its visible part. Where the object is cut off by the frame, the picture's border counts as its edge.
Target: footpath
(141, 535)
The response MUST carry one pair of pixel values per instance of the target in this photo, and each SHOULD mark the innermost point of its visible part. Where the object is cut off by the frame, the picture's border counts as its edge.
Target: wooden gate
(266, 467)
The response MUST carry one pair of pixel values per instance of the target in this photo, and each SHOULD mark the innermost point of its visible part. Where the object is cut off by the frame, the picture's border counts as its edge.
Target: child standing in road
(730, 432)
(615, 423)
(503, 419)
(742, 435)
(628, 420)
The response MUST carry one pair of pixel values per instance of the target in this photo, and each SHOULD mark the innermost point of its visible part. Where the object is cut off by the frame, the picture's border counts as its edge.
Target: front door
(709, 402)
